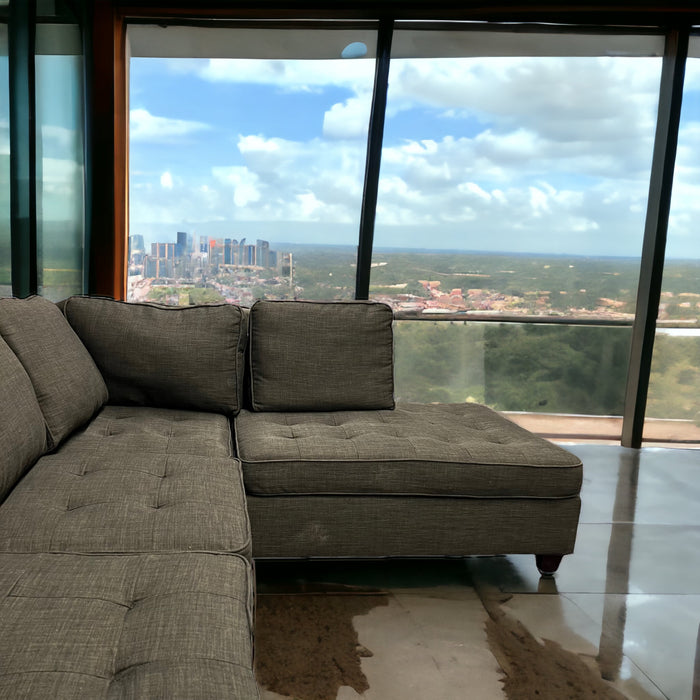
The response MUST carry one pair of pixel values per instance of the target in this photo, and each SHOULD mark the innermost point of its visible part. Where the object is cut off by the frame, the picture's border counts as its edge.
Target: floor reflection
(612, 635)
(696, 673)
(627, 600)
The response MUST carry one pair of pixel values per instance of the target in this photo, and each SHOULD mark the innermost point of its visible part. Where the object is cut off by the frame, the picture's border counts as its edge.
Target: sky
(535, 154)
(546, 155)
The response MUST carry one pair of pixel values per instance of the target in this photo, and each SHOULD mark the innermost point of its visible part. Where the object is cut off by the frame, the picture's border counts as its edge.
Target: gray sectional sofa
(150, 453)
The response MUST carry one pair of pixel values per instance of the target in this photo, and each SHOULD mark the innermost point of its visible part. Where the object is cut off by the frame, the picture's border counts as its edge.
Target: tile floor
(629, 596)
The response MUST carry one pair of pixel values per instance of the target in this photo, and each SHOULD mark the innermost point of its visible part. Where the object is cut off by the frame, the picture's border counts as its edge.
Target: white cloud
(281, 180)
(166, 180)
(61, 189)
(59, 137)
(245, 184)
(4, 137)
(349, 119)
(289, 75)
(60, 172)
(548, 150)
(258, 143)
(310, 205)
(471, 188)
(144, 126)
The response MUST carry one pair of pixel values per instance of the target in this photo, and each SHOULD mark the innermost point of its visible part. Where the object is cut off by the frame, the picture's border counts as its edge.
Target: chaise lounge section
(364, 477)
(412, 481)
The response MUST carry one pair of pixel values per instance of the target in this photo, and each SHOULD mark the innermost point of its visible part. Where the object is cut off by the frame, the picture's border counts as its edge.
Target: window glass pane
(673, 402)
(5, 265)
(247, 168)
(515, 184)
(60, 190)
(558, 370)
(514, 178)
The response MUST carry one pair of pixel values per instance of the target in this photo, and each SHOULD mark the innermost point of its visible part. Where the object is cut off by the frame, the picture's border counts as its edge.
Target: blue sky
(542, 155)
(525, 155)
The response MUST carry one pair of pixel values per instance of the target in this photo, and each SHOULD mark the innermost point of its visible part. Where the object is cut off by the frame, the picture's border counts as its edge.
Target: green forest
(578, 369)
(568, 282)
(509, 366)
(552, 369)
(526, 367)
(541, 368)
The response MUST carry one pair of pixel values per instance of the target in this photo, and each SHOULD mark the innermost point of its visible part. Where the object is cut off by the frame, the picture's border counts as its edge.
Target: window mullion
(655, 230)
(21, 40)
(373, 162)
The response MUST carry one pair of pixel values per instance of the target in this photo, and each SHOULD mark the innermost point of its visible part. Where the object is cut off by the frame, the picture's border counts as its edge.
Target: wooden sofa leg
(547, 564)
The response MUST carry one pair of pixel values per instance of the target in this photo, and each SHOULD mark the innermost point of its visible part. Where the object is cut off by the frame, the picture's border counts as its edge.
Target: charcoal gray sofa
(149, 453)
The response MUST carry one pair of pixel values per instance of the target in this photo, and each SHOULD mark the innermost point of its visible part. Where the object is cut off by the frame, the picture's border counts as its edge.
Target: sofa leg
(547, 564)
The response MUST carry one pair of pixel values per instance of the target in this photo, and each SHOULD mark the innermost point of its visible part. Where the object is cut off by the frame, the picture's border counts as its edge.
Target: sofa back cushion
(320, 356)
(173, 357)
(67, 384)
(22, 427)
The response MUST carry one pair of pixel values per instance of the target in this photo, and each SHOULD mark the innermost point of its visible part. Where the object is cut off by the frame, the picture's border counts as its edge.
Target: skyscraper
(136, 244)
(181, 245)
(163, 250)
(262, 253)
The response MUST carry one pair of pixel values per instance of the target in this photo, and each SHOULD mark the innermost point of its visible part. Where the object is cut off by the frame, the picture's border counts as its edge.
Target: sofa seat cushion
(68, 385)
(143, 429)
(173, 357)
(22, 427)
(417, 449)
(143, 626)
(127, 502)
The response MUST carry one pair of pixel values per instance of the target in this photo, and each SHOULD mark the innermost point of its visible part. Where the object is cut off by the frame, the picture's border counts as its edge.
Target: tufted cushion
(318, 356)
(22, 428)
(417, 449)
(106, 627)
(127, 502)
(188, 357)
(68, 386)
(144, 429)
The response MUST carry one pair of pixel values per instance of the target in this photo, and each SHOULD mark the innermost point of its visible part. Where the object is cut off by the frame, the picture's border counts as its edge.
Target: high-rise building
(285, 265)
(216, 251)
(163, 250)
(158, 267)
(262, 253)
(248, 254)
(137, 249)
(136, 244)
(181, 245)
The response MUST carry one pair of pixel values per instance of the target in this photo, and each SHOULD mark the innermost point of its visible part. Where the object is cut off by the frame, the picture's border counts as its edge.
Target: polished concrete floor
(627, 600)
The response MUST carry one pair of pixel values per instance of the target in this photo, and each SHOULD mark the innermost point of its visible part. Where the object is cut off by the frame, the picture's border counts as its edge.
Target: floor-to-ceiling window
(673, 404)
(511, 202)
(5, 255)
(515, 172)
(247, 161)
(42, 180)
(60, 200)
